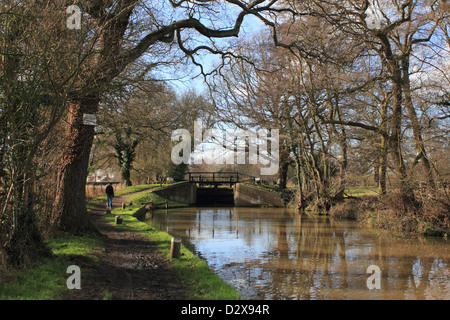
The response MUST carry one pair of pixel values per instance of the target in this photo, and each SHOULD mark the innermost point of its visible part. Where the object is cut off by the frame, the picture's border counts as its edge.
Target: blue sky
(250, 27)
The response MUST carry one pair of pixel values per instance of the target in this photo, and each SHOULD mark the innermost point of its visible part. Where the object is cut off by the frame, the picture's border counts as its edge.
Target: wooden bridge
(219, 178)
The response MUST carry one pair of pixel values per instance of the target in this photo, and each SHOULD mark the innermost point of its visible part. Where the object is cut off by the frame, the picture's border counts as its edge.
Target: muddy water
(273, 254)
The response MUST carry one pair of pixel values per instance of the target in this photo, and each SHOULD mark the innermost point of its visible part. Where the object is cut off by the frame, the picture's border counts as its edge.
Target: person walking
(109, 195)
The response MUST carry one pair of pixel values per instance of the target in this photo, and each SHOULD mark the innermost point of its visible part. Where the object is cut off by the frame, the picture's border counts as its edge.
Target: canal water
(274, 253)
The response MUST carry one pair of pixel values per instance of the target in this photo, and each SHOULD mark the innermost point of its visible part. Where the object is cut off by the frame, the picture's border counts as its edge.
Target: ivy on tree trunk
(126, 152)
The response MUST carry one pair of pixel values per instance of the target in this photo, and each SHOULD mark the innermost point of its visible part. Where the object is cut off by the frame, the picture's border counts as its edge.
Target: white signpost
(89, 119)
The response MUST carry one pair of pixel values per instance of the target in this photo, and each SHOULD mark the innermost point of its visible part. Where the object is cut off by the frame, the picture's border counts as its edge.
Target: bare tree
(37, 68)
(405, 29)
(145, 113)
(116, 48)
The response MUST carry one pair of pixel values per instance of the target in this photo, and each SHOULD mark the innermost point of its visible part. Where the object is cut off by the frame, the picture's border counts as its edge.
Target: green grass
(46, 280)
(350, 191)
(272, 187)
(361, 191)
(149, 196)
(128, 190)
(203, 284)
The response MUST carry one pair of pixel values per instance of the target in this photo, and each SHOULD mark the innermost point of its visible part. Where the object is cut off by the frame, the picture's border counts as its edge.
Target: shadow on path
(130, 268)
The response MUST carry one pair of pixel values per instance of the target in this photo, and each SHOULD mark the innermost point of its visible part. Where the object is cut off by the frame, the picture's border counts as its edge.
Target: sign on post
(89, 119)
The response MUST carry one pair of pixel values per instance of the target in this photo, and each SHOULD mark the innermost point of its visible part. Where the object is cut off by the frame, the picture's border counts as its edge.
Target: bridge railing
(219, 177)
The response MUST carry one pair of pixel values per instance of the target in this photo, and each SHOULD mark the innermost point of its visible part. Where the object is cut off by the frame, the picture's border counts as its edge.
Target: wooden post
(119, 219)
(175, 248)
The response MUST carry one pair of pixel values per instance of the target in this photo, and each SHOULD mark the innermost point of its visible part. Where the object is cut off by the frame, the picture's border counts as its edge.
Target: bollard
(175, 248)
(119, 219)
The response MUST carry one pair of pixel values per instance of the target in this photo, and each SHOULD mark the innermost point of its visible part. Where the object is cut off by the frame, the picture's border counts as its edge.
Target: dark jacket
(110, 190)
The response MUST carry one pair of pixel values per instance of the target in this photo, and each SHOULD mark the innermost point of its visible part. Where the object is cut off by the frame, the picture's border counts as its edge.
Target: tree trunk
(26, 244)
(383, 152)
(70, 213)
(417, 130)
(298, 170)
(126, 176)
(382, 167)
(406, 192)
(125, 153)
(342, 138)
(283, 169)
(376, 173)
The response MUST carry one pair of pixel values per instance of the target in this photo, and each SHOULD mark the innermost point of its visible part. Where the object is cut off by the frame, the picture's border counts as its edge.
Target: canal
(274, 253)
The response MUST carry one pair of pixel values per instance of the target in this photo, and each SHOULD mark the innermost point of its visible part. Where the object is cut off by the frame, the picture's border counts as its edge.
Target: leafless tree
(38, 68)
(190, 25)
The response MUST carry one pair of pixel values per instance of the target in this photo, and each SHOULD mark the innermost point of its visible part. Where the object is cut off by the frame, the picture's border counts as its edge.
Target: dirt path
(130, 268)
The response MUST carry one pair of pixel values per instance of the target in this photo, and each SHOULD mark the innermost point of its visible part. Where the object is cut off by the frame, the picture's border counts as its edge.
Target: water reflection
(268, 253)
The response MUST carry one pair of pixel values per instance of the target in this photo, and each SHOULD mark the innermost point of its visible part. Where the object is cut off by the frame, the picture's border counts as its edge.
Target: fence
(95, 189)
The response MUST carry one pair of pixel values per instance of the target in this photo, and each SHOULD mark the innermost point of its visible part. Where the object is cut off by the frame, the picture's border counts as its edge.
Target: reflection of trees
(407, 269)
(343, 270)
(316, 257)
(301, 261)
(310, 257)
(419, 290)
(320, 255)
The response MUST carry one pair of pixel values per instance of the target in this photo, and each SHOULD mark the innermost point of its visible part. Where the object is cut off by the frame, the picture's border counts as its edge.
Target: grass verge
(361, 191)
(133, 189)
(46, 279)
(202, 283)
(150, 196)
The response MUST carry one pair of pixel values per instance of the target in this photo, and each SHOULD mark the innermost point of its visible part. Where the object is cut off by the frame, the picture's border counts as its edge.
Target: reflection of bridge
(219, 178)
